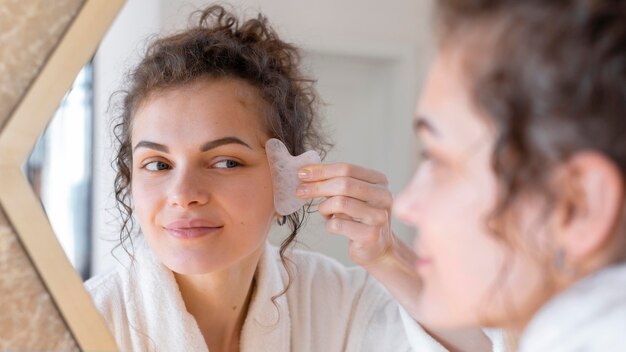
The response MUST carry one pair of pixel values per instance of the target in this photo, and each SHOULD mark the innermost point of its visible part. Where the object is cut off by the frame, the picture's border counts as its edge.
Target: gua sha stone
(284, 170)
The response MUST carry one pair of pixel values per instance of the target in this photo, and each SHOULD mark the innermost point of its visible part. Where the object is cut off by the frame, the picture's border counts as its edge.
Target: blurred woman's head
(194, 119)
(523, 119)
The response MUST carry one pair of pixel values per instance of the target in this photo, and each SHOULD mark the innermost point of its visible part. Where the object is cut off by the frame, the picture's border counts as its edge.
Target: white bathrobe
(327, 308)
(588, 317)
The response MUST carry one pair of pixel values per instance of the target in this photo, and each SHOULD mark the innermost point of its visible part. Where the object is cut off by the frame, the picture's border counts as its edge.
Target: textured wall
(29, 320)
(29, 31)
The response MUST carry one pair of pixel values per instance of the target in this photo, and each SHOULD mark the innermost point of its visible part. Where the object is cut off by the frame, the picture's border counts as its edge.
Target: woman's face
(449, 202)
(200, 179)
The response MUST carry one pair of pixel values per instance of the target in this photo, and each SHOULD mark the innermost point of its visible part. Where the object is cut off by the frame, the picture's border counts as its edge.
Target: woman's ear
(589, 207)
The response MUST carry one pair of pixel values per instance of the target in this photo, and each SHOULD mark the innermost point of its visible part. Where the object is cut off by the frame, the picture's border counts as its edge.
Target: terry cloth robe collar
(590, 316)
(267, 326)
(172, 328)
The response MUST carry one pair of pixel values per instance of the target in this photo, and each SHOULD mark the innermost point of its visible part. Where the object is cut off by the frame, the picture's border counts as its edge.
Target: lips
(421, 262)
(192, 228)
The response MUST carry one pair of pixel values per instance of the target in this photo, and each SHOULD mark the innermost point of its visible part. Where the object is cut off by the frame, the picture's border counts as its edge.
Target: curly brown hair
(219, 46)
(550, 75)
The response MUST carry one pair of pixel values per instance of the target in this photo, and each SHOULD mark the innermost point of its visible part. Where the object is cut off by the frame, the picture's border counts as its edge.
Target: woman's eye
(226, 164)
(156, 166)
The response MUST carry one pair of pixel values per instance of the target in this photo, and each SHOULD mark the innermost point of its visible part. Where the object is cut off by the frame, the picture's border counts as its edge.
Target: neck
(219, 301)
(560, 281)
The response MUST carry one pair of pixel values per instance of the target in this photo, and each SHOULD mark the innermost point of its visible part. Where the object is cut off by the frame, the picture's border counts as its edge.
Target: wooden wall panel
(43, 45)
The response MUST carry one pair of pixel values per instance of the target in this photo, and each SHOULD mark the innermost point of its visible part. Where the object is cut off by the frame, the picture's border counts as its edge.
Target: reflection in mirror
(59, 170)
(368, 91)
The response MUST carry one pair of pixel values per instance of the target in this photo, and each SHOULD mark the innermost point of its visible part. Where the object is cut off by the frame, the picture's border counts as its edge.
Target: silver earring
(559, 260)
(560, 263)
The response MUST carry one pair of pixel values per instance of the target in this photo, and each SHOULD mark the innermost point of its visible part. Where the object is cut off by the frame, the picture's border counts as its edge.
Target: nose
(188, 189)
(406, 205)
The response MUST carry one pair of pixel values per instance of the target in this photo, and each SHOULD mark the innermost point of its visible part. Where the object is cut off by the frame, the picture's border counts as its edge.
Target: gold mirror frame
(23, 209)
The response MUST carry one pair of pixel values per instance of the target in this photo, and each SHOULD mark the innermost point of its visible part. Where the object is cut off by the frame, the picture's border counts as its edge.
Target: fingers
(321, 172)
(357, 205)
(353, 209)
(361, 235)
(374, 194)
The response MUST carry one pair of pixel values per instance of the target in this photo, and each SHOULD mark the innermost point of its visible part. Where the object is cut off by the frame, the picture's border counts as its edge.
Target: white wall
(120, 49)
(369, 58)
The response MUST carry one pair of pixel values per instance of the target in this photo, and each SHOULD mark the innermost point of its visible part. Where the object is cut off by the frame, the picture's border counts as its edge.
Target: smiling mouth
(421, 262)
(192, 232)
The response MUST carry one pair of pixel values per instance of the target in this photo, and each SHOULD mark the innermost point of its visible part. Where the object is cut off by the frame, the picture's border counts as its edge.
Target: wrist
(395, 256)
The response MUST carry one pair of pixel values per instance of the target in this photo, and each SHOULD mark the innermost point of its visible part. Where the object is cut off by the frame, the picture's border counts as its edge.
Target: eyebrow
(222, 141)
(152, 145)
(421, 123)
(204, 148)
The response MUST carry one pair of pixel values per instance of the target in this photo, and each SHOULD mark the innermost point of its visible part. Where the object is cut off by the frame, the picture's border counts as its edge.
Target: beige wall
(119, 50)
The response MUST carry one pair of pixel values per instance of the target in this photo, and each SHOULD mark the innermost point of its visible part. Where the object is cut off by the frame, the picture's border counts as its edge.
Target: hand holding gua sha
(284, 170)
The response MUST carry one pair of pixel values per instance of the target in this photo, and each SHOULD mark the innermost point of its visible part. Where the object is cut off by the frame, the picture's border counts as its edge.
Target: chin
(195, 268)
(437, 314)
(194, 263)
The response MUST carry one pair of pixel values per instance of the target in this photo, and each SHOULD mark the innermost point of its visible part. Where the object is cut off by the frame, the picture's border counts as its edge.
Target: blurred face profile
(469, 276)
(200, 178)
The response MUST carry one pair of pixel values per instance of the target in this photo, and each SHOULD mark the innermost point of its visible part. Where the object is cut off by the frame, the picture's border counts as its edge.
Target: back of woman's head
(550, 75)
(219, 46)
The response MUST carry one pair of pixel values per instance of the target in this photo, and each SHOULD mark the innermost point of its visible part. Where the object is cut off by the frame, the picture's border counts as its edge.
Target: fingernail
(302, 190)
(304, 174)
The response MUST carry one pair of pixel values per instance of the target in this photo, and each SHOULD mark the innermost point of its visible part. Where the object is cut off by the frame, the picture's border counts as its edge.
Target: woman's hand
(357, 205)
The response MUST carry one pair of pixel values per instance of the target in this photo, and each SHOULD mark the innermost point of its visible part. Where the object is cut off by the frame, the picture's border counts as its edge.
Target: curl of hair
(219, 46)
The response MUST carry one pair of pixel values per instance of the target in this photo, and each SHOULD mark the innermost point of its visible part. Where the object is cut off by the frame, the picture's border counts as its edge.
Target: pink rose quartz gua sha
(284, 170)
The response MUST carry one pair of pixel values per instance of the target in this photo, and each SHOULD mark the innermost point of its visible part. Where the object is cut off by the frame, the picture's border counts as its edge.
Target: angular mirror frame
(17, 199)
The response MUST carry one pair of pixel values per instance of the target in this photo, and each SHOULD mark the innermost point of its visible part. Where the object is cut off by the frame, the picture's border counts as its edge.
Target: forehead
(201, 110)
(447, 103)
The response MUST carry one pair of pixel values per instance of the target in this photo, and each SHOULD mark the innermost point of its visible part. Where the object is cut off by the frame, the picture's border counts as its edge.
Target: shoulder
(119, 300)
(107, 293)
(310, 262)
(573, 320)
(317, 271)
(104, 286)
(346, 300)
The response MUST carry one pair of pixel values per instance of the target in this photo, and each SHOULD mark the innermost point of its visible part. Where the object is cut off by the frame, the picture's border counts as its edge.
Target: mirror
(368, 93)
(59, 170)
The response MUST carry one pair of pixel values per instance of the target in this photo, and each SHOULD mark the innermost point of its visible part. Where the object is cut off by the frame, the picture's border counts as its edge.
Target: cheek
(452, 226)
(249, 198)
(467, 254)
(146, 199)
(465, 276)
(468, 263)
